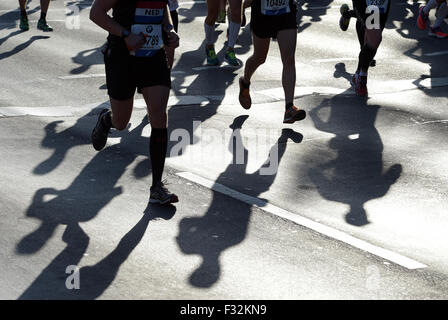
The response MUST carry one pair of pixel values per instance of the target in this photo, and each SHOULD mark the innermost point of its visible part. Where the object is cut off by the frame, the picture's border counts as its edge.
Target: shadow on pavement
(92, 190)
(352, 172)
(93, 280)
(21, 47)
(223, 227)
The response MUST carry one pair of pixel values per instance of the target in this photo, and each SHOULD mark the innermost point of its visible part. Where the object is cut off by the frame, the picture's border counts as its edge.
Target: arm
(173, 38)
(98, 14)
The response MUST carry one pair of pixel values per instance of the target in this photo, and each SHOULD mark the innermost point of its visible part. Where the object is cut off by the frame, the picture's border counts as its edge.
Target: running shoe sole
(173, 199)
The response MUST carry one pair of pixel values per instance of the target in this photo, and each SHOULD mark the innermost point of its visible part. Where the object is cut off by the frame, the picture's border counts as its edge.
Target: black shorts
(125, 73)
(264, 26)
(360, 7)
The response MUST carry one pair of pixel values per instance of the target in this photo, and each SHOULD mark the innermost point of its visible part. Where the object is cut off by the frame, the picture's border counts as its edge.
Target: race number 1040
(242, 309)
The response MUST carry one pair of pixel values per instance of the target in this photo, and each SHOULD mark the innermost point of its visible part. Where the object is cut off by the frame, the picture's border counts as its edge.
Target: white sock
(234, 29)
(431, 5)
(441, 15)
(209, 34)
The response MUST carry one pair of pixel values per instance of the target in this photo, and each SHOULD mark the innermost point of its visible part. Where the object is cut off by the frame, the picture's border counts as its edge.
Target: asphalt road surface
(354, 208)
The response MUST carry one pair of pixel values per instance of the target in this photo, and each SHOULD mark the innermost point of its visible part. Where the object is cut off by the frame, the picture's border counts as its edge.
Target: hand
(135, 41)
(173, 39)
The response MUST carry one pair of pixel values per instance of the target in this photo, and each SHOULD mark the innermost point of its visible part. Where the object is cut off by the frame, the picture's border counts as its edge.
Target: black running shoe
(101, 131)
(160, 194)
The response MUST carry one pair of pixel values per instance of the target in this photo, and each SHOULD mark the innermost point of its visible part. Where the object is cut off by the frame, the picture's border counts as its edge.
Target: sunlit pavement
(356, 209)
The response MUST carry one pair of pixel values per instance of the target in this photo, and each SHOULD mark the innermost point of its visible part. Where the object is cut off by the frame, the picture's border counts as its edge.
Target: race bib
(153, 35)
(381, 4)
(274, 7)
(148, 20)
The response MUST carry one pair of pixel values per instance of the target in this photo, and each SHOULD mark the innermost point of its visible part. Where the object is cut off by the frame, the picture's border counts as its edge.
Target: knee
(259, 59)
(212, 16)
(289, 61)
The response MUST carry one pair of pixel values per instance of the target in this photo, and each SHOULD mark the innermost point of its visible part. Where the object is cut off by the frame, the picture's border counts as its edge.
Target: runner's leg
(22, 4)
(156, 98)
(209, 23)
(209, 28)
(121, 113)
(234, 21)
(261, 49)
(42, 23)
(287, 41)
(44, 4)
(24, 25)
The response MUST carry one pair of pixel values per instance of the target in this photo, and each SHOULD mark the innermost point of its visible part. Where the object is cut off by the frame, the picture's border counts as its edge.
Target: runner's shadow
(225, 223)
(314, 9)
(93, 280)
(425, 49)
(62, 142)
(88, 58)
(92, 190)
(352, 172)
(21, 47)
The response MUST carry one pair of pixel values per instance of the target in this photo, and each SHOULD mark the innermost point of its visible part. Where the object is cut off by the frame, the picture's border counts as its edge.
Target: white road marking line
(68, 111)
(437, 53)
(83, 76)
(15, 24)
(39, 112)
(305, 222)
(334, 60)
(384, 87)
(214, 67)
(278, 93)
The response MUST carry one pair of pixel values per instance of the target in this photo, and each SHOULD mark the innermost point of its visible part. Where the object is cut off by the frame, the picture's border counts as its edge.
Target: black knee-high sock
(158, 144)
(43, 15)
(360, 31)
(365, 57)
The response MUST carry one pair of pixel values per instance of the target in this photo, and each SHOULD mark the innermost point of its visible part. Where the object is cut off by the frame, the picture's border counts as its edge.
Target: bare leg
(212, 16)
(261, 49)
(22, 4)
(44, 4)
(156, 98)
(121, 112)
(287, 41)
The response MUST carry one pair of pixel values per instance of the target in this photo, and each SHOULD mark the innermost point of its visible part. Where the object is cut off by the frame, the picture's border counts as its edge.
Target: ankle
(245, 83)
